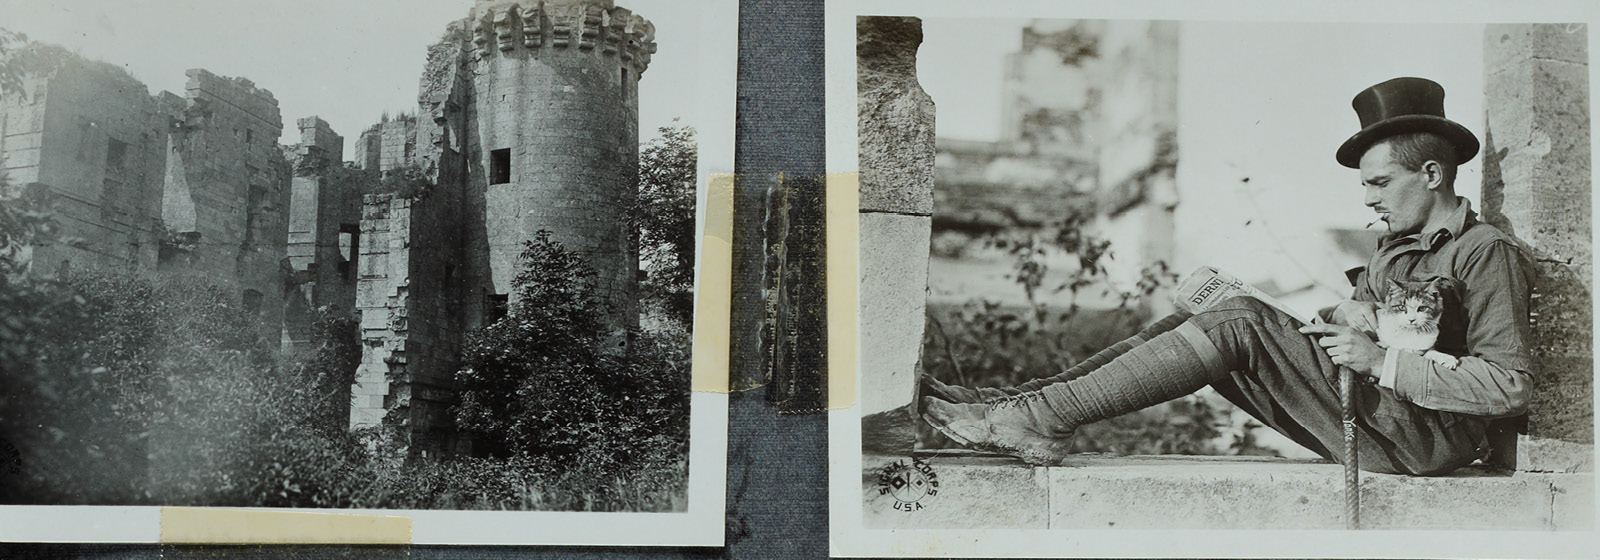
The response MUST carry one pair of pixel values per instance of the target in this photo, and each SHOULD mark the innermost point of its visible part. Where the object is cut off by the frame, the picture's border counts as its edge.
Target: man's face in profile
(1400, 196)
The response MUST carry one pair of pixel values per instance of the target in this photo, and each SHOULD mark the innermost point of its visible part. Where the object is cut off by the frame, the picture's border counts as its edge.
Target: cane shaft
(1352, 473)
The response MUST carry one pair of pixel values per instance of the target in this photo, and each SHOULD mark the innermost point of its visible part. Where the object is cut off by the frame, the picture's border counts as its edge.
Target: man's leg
(1037, 426)
(958, 394)
(1281, 376)
(1285, 380)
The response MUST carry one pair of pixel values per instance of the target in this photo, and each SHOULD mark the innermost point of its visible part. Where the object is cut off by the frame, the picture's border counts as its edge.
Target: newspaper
(1209, 285)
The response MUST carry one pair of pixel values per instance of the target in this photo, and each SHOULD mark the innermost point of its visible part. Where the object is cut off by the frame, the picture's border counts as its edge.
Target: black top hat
(1399, 106)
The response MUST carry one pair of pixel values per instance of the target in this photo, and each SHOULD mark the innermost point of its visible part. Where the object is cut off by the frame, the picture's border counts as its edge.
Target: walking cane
(1352, 475)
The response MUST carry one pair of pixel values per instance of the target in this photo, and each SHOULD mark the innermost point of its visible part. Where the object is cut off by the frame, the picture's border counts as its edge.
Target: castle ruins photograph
(1166, 283)
(375, 256)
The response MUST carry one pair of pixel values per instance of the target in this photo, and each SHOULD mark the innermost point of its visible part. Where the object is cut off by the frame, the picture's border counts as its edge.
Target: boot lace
(1015, 401)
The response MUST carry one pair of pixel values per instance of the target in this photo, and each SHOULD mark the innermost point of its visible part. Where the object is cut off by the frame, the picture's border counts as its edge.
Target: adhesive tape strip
(182, 525)
(843, 239)
(713, 296)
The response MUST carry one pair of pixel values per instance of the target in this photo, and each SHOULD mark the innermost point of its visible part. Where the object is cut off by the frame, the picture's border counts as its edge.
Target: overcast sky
(349, 61)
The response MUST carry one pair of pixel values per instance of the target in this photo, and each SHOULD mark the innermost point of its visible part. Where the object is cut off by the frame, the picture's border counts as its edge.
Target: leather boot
(1021, 425)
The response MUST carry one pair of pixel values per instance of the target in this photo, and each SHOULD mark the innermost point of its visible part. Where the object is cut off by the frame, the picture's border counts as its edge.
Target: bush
(664, 218)
(984, 344)
(169, 395)
(552, 384)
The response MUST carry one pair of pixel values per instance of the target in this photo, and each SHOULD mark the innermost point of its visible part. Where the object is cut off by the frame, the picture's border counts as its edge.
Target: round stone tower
(552, 140)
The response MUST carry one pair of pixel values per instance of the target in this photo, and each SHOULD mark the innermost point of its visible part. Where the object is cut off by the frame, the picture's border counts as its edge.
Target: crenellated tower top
(506, 26)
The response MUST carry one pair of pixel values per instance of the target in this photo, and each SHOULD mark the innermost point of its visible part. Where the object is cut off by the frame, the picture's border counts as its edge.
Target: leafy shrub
(551, 382)
(164, 391)
(664, 218)
(982, 343)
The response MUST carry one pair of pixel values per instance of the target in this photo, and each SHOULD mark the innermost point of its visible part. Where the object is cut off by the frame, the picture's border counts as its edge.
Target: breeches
(1285, 380)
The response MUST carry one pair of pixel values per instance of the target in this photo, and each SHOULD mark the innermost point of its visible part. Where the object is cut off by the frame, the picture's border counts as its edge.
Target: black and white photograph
(1171, 283)
(435, 260)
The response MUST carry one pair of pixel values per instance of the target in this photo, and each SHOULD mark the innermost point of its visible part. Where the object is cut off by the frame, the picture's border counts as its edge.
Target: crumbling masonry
(527, 121)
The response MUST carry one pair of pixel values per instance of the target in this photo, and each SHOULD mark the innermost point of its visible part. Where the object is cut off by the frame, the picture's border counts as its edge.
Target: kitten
(1408, 319)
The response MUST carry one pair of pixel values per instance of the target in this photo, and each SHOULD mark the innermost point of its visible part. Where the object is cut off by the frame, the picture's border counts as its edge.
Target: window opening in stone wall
(624, 78)
(349, 249)
(500, 166)
(249, 137)
(496, 306)
(110, 196)
(116, 155)
(255, 206)
(252, 302)
(83, 139)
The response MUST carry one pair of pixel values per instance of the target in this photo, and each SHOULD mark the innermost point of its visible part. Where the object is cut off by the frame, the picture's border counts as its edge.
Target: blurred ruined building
(1088, 125)
(527, 120)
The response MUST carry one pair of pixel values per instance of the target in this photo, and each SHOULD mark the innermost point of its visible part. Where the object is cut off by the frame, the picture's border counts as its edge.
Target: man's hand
(1347, 347)
(1362, 315)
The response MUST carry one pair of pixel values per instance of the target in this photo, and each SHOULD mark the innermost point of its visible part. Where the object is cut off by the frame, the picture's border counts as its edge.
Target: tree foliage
(551, 381)
(983, 343)
(665, 220)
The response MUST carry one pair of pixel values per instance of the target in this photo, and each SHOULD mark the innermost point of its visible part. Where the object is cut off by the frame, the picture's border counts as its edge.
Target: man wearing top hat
(1415, 417)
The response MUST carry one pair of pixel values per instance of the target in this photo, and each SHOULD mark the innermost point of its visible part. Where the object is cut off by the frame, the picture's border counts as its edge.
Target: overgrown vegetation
(664, 218)
(552, 382)
(132, 390)
(983, 343)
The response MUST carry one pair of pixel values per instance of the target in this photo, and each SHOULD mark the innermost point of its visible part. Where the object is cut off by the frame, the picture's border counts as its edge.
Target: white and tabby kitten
(1409, 319)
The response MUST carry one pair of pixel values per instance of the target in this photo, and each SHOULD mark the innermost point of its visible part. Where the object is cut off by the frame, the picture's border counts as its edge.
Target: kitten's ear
(1436, 287)
(1394, 285)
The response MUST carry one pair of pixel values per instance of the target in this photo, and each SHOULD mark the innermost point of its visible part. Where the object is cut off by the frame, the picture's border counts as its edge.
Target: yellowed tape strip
(181, 525)
(843, 224)
(715, 293)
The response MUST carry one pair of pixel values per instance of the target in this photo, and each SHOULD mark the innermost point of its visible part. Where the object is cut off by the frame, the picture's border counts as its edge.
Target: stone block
(1237, 493)
(1539, 454)
(964, 494)
(896, 118)
(1508, 45)
(1537, 188)
(893, 292)
(1172, 494)
(1497, 502)
(1572, 508)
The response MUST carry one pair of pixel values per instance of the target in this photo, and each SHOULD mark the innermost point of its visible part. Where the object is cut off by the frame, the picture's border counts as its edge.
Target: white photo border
(849, 537)
(701, 524)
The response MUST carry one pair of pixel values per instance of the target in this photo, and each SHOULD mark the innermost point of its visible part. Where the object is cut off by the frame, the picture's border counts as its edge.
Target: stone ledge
(1171, 492)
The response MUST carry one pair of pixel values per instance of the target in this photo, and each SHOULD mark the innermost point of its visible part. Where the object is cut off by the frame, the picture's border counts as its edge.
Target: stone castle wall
(552, 139)
(186, 185)
(228, 188)
(92, 136)
(387, 145)
(1536, 165)
(324, 228)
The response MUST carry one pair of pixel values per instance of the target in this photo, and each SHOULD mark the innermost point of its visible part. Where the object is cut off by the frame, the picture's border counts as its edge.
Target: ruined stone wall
(1136, 75)
(896, 128)
(552, 140)
(324, 228)
(1536, 173)
(388, 144)
(228, 188)
(94, 138)
(410, 326)
(410, 290)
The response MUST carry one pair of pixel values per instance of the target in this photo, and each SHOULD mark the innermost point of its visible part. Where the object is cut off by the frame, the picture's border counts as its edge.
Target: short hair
(1412, 149)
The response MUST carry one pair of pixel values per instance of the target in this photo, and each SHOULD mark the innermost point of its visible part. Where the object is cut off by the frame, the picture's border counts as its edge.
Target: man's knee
(1249, 308)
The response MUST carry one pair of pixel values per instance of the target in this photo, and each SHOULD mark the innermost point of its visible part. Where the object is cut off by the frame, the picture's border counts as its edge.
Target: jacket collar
(1459, 221)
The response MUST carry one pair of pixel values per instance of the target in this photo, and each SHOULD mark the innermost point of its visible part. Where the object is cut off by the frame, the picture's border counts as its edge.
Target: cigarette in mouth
(1373, 223)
